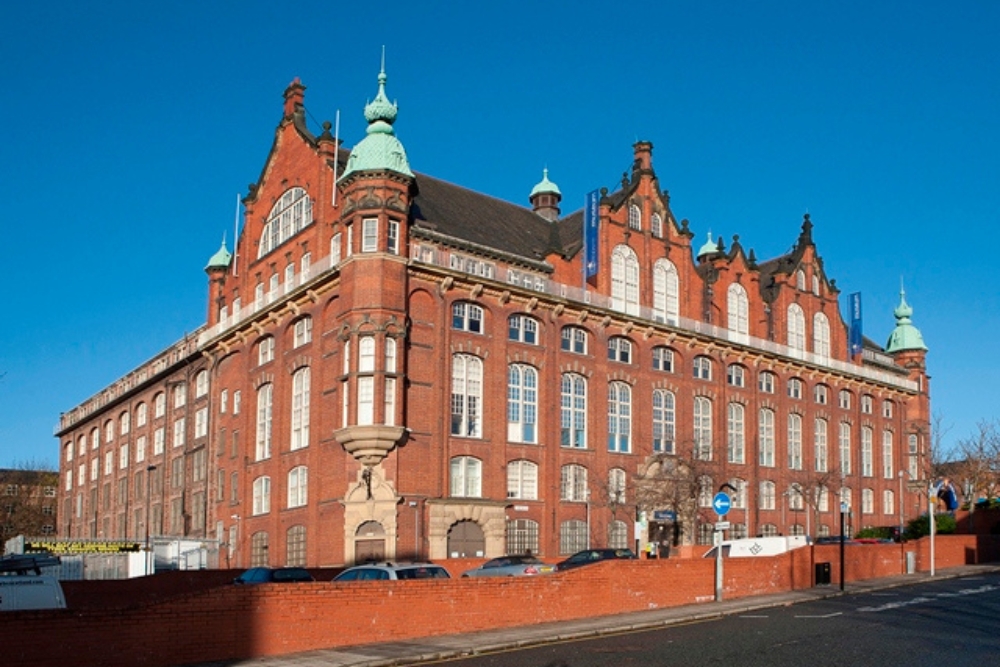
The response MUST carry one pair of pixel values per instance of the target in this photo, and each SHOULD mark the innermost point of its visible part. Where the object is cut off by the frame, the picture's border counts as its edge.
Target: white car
(386, 571)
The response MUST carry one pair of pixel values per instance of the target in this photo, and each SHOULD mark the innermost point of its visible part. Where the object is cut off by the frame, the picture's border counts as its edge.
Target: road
(948, 623)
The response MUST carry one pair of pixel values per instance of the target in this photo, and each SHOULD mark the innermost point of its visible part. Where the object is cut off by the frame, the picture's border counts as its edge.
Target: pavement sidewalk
(451, 646)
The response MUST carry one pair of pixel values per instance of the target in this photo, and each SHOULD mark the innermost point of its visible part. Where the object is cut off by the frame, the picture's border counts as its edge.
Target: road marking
(755, 616)
(836, 613)
(986, 588)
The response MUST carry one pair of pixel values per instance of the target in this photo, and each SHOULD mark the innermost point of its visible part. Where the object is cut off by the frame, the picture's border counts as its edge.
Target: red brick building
(373, 375)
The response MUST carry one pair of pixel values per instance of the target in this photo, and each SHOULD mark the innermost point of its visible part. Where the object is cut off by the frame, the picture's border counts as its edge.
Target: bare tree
(674, 483)
(811, 488)
(27, 500)
(977, 468)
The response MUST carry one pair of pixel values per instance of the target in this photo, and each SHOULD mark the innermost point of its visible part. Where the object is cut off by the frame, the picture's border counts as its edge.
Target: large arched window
(522, 480)
(664, 421)
(573, 411)
(735, 434)
(261, 495)
(289, 215)
(738, 311)
(466, 396)
(765, 427)
(625, 280)
(821, 335)
(522, 403)
(634, 217)
(522, 536)
(264, 403)
(300, 408)
(666, 292)
(820, 445)
(298, 486)
(619, 417)
(796, 327)
(573, 483)
(702, 428)
(794, 442)
(466, 477)
(767, 495)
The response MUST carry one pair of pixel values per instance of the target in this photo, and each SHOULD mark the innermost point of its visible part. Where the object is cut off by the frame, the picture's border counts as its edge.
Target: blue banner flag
(855, 330)
(591, 217)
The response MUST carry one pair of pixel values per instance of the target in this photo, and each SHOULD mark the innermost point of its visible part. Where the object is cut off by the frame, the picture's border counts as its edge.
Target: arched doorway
(466, 540)
(369, 542)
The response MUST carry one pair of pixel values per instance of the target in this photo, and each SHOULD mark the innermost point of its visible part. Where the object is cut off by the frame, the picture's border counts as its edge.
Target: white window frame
(573, 411)
(736, 433)
(619, 417)
(466, 478)
(466, 396)
(664, 421)
(522, 403)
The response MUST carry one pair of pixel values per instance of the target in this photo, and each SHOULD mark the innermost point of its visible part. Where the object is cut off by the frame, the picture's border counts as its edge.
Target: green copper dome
(221, 259)
(545, 186)
(905, 336)
(380, 150)
(710, 247)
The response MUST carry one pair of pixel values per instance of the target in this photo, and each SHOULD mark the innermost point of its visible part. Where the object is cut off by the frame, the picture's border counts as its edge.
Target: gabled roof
(488, 222)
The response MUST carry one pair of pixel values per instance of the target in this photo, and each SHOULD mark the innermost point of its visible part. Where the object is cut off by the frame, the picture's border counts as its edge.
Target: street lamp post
(900, 501)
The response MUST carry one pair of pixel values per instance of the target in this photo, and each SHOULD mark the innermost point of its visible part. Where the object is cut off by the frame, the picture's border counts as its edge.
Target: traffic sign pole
(721, 503)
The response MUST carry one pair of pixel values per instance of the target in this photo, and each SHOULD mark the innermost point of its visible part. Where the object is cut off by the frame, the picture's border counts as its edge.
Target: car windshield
(291, 575)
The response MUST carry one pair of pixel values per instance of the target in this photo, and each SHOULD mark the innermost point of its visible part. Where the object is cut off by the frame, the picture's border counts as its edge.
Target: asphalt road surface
(949, 623)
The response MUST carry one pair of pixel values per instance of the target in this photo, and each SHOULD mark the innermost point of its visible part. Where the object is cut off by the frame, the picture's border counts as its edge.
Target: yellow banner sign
(65, 547)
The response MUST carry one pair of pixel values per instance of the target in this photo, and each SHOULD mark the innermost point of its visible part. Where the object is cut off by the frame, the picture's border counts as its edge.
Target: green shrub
(883, 533)
(917, 528)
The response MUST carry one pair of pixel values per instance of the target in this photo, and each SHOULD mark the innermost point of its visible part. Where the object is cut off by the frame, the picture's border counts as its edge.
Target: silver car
(386, 571)
(511, 566)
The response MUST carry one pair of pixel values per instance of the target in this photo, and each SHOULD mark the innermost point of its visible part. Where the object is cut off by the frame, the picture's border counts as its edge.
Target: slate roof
(486, 221)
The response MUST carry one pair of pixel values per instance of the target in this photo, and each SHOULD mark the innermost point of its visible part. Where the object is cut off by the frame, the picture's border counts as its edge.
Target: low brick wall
(225, 622)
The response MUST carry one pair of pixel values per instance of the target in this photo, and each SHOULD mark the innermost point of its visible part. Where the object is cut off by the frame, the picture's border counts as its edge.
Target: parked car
(511, 566)
(23, 586)
(588, 556)
(276, 575)
(385, 571)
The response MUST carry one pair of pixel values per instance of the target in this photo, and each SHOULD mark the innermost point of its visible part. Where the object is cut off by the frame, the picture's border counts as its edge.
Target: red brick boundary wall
(208, 619)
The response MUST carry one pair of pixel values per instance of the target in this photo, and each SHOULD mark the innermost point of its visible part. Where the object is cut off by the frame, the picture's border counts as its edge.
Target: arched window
(522, 329)
(573, 483)
(663, 359)
(634, 217)
(298, 486)
(740, 494)
(767, 495)
(264, 403)
(794, 442)
(466, 477)
(522, 403)
(620, 349)
(574, 339)
(702, 368)
(844, 443)
(259, 549)
(467, 316)
(867, 501)
(159, 404)
(821, 335)
(666, 292)
(664, 421)
(702, 428)
(656, 225)
(522, 480)
(573, 411)
(866, 452)
(800, 279)
(796, 328)
(140, 414)
(888, 502)
(466, 396)
(625, 280)
(617, 535)
(289, 215)
(295, 546)
(819, 445)
(300, 408)
(522, 536)
(201, 384)
(573, 536)
(765, 427)
(265, 350)
(735, 434)
(887, 466)
(738, 311)
(796, 497)
(616, 487)
(261, 495)
(619, 417)
(124, 423)
(302, 332)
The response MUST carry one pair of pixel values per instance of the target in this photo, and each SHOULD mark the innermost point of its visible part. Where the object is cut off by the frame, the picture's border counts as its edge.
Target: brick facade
(359, 363)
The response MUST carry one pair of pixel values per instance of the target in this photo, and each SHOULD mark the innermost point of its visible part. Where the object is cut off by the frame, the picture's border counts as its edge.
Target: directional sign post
(721, 503)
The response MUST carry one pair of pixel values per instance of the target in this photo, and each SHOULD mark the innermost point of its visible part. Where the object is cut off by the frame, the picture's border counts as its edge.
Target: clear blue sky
(127, 130)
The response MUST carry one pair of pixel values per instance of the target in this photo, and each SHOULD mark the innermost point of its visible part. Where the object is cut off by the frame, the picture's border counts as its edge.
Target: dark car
(275, 575)
(588, 556)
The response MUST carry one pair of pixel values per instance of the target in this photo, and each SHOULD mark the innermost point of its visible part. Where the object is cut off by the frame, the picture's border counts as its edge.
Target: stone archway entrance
(466, 540)
(369, 542)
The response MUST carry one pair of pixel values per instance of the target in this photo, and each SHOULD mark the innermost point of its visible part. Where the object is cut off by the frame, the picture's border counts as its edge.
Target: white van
(29, 591)
(752, 547)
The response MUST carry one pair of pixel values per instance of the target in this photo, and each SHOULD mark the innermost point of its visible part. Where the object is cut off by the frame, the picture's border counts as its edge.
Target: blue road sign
(721, 503)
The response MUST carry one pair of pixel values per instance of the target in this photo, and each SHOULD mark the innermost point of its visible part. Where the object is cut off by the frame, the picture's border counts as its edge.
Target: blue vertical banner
(855, 330)
(591, 218)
